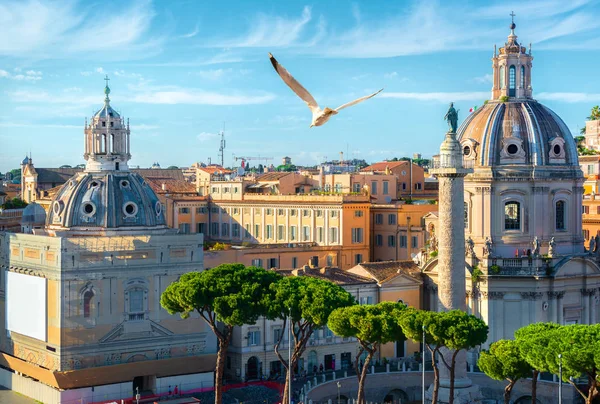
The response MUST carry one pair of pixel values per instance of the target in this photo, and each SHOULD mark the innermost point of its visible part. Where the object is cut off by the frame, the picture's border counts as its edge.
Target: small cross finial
(106, 79)
(512, 15)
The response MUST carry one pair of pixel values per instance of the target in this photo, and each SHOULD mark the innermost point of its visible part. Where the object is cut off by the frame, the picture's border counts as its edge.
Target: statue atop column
(452, 118)
(551, 245)
(469, 247)
(592, 245)
(488, 248)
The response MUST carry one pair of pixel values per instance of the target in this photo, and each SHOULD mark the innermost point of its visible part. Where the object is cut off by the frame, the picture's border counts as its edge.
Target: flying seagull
(320, 116)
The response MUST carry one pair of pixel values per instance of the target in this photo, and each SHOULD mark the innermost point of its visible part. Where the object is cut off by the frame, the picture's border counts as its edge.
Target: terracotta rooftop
(335, 275)
(386, 270)
(172, 186)
(274, 176)
(381, 166)
(215, 170)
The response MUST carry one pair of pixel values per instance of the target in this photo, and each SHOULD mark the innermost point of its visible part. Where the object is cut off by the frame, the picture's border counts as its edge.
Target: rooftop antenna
(222, 147)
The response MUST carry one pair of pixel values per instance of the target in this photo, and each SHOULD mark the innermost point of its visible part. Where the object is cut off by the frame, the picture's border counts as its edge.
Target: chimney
(164, 186)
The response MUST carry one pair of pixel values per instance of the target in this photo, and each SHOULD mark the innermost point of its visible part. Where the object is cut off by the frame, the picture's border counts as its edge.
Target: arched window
(560, 215)
(87, 303)
(522, 76)
(502, 81)
(466, 215)
(512, 215)
(512, 81)
(136, 300)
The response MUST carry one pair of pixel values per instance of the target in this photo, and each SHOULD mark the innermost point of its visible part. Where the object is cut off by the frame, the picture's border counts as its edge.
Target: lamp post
(137, 395)
(423, 372)
(559, 378)
(290, 355)
(339, 386)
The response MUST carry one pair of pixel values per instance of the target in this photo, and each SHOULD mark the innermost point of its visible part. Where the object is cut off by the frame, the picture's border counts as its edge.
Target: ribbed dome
(517, 133)
(105, 201)
(33, 215)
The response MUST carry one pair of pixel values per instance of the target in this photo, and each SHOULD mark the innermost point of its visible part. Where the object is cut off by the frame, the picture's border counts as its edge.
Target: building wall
(116, 271)
(590, 218)
(392, 238)
(284, 257)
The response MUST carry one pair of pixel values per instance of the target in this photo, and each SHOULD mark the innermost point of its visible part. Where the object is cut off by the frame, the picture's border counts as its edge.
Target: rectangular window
(292, 212)
(214, 209)
(226, 190)
(358, 213)
(200, 210)
(404, 186)
(269, 230)
(392, 241)
(586, 234)
(280, 212)
(201, 228)
(358, 259)
(379, 218)
(136, 300)
(294, 262)
(357, 235)
(225, 229)
(415, 242)
(236, 190)
(276, 335)
(247, 231)
(337, 188)
(293, 233)
(417, 185)
(184, 211)
(184, 228)
(272, 263)
(318, 213)
(235, 230)
(379, 240)
(402, 241)
(305, 212)
(257, 262)
(373, 187)
(356, 187)
(236, 211)
(590, 169)
(386, 186)
(253, 338)
(586, 209)
(512, 216)
(392, 218)
(215, 190)
(257, 230)
(334, 213)
(305, 233)
(333, 235)
(268, 211)
(319, 234)
(280, 232)
(329, 260)
(214, 229)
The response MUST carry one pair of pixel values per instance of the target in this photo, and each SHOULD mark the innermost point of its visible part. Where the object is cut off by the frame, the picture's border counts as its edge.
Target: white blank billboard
(26, 305)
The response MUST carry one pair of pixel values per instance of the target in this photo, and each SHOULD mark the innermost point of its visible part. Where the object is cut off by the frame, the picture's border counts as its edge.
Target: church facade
(525, 260)
(81, 297)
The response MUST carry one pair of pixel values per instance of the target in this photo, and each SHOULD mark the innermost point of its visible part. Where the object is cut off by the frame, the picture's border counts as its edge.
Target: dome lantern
(512, 69)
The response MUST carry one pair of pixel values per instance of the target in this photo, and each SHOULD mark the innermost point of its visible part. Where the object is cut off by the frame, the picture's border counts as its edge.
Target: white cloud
(271, 31)
(38, 125)
(438, 97)
(192, 33)
(390, 75)
(46, 29)
(214, 74)
(206, 136)
(72, 90)
(30, 75)
(485, 79)
(568, 97)
(200, 97)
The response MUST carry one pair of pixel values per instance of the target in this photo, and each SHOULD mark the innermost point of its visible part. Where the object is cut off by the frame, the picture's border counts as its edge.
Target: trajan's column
(450, 173)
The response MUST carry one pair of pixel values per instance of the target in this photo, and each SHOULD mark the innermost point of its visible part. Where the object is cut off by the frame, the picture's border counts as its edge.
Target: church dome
(103, 201)
(33, 215)
(519, 132)
(106, 197)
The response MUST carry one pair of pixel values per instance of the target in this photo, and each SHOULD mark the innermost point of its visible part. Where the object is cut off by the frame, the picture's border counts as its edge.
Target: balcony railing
(438, 163)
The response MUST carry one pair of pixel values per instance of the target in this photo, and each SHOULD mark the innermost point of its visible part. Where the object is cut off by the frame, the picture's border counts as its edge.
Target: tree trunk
(592, 392)
(436, 376)
(534, 387)
(363, 377)
(220, 367)
(508, 390)
(452, 366)
(297, 351)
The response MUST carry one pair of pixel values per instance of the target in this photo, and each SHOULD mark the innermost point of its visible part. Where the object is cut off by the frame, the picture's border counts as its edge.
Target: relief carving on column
(555, 295)
(531, 295)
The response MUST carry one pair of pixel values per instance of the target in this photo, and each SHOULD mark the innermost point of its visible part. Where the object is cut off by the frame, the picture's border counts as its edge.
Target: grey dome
(513, 133)
(101, 113)
(106, 200)
(33, 215)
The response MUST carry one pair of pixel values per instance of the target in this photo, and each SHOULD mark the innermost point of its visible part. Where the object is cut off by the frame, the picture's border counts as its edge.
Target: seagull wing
(351, 103)
(294, 85)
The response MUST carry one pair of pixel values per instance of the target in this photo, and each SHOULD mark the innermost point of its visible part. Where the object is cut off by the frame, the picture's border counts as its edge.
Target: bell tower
(107, 139)
(512, 68)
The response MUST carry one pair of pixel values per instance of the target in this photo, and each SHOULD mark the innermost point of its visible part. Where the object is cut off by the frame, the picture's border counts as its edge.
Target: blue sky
(180, 69)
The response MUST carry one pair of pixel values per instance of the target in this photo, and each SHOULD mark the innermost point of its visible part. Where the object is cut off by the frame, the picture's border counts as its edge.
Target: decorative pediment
(470, 149)
(140, 329)
(512, 150)
(556, 154)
